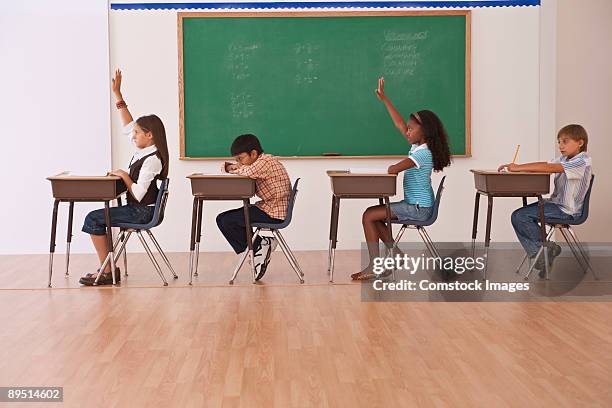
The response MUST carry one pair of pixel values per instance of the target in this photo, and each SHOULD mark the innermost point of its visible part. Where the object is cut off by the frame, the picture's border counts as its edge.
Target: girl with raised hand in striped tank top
(429, 152)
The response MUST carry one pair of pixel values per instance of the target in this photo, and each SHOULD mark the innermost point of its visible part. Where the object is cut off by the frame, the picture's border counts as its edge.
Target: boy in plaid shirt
(272, 186)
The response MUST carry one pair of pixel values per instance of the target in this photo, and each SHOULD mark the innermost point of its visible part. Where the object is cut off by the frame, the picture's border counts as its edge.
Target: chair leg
(280, 237)
(151, 257)
(543, 251)
(123, 247)
(582, 252)
(162, 253)
(577, 255)
(431, 243)
(125, 270)
(399, 236)
(525, 257)
(534, 262)
(125, 262)
(122, 239)
(289, 255)
(522, 262)
(242, 259)
(426, 242)
(396, 241)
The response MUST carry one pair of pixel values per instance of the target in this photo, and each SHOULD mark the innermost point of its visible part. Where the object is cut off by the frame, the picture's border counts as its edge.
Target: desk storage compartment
(66, 189)
(363, 185)
(223, 187)
(518, 184)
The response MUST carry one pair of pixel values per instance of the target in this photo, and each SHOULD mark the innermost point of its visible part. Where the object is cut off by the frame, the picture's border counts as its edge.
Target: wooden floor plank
(288, 345)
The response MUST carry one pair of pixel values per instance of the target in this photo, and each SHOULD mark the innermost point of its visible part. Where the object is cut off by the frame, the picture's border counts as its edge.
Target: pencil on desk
(516, 153)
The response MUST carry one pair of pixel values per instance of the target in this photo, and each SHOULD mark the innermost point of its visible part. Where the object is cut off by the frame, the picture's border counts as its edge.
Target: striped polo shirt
(417, 180)
(571, 185)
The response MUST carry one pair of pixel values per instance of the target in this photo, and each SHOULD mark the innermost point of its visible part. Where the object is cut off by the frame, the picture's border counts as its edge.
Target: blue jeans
(232, 226)
(95, 224)
(526, 223)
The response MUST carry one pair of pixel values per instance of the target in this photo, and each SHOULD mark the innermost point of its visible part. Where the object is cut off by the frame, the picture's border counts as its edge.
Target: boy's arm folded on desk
(256, 170)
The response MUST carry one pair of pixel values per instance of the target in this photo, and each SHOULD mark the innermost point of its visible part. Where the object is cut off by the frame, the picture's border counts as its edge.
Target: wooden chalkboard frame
(468, 58)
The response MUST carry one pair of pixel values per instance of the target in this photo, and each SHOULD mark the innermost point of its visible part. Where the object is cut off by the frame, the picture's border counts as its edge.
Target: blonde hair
(577, 133)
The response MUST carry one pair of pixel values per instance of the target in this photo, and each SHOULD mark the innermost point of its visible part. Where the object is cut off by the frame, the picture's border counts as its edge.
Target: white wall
(584, 95)
(57, 101)
(54, 112)
(505, 112)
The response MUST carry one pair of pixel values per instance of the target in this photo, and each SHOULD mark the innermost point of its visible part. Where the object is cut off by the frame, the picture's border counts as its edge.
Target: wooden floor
(281, 344)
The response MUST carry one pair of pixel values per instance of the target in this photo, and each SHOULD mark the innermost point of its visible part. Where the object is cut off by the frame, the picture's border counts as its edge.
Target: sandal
(366, 276)
(356, 275)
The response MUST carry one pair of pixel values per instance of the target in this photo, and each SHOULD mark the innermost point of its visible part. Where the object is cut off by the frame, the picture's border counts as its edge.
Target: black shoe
(105, 279)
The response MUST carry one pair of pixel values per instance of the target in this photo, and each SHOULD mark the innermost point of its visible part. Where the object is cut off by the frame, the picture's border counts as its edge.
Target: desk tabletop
(508, 173)
(68, 177)
(224, 176)
(345, 173)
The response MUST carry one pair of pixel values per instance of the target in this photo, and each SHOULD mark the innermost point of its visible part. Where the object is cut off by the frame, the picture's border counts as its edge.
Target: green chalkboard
(304, 83)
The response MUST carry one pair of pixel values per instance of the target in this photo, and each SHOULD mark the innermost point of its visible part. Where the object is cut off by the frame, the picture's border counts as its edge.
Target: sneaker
(553, 251)
(267, 246)
(258, 261)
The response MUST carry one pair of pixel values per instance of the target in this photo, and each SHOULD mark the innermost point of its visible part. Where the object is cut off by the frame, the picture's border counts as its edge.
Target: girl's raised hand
(380, 91)
(116, 81)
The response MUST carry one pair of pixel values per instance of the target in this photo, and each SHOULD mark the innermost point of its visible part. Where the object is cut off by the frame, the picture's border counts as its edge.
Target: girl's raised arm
(126, 116)
(395, 115)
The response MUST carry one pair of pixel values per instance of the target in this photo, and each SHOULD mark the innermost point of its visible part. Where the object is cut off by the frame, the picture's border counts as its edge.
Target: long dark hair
(153, 124)
(435, 137)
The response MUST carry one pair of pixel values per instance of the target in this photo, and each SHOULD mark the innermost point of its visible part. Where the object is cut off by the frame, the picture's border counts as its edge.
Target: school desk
(73, 189)
(351, 185)
(218, 187)
(509, 184)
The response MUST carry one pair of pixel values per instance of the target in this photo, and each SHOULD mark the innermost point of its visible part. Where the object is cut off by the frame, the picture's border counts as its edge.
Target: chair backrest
(584, 213)
(291, 202)
(160, 203)
(287, 220)
(434, 214)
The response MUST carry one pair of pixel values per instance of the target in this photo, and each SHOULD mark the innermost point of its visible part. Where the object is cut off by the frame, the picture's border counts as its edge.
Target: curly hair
(435, 137)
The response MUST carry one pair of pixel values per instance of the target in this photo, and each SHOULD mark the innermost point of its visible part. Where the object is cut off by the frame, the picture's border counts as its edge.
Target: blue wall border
(325, 4)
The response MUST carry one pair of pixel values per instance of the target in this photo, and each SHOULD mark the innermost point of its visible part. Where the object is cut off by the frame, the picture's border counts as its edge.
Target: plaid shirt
(272, 184)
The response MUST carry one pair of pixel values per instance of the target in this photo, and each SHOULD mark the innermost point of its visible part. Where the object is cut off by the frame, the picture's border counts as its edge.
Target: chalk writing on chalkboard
(400, 53)
(306, 63)
(242, 105)
(238, 57)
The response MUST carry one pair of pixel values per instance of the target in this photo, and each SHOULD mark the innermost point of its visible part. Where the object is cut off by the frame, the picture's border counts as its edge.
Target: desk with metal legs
(492, 183)
(219, 187)
(73, 189)
(351, 185)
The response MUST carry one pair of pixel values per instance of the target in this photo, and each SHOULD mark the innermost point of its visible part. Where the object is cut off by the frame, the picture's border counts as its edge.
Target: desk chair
(275, 230)
(127, 229)
(570, 237)
(420, 225)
